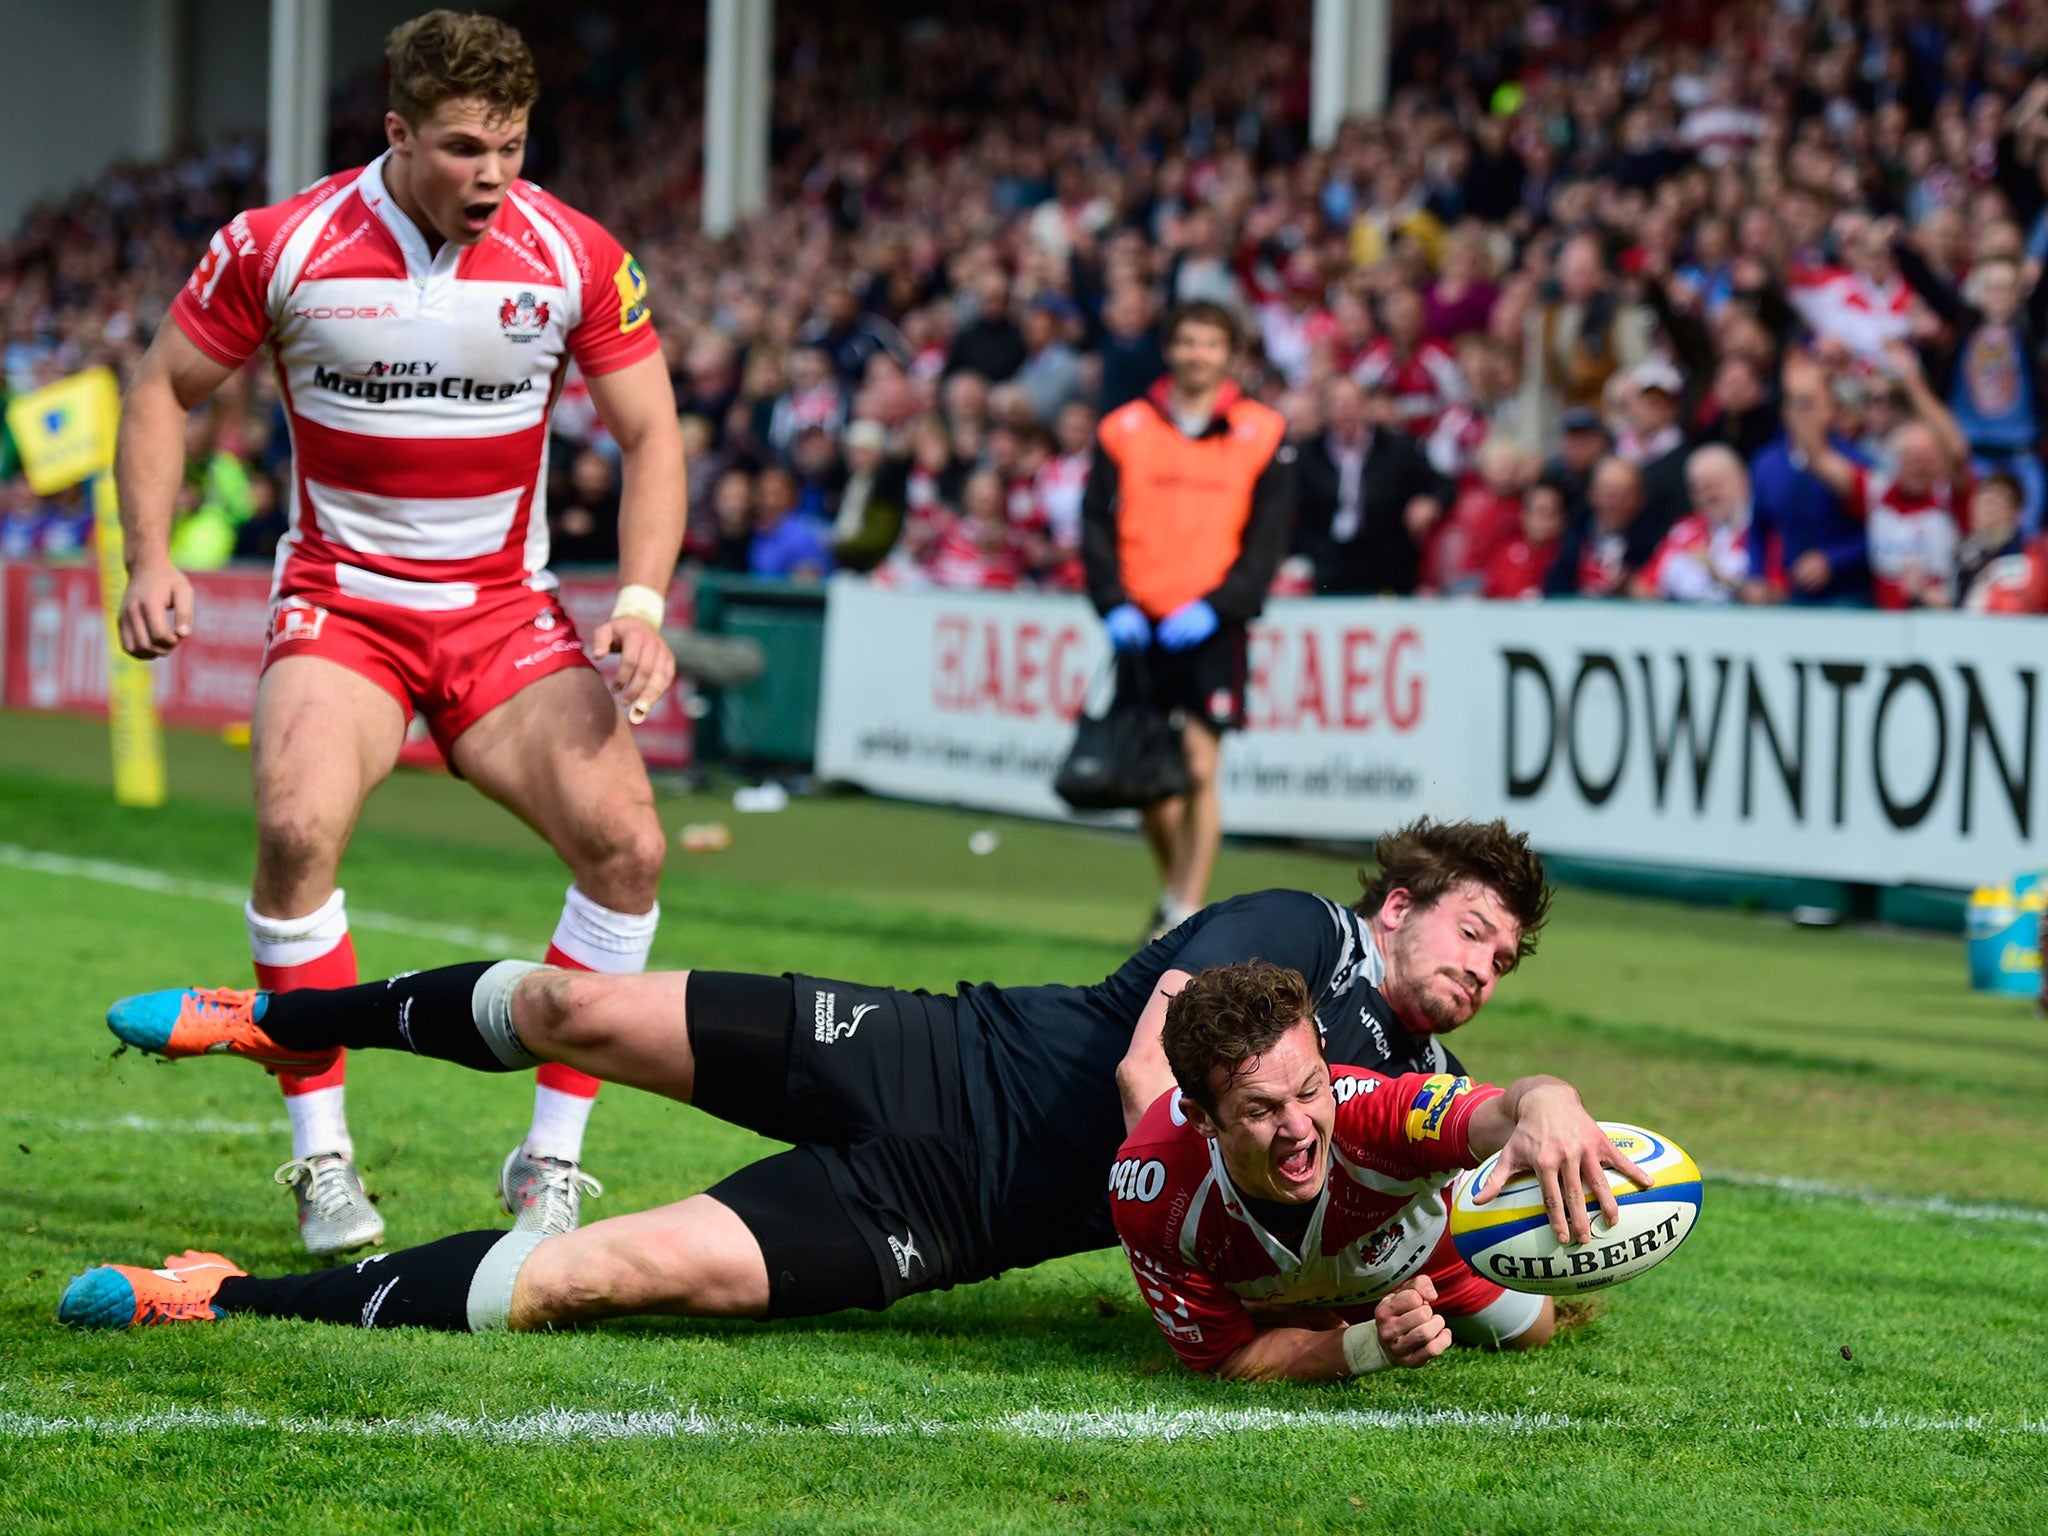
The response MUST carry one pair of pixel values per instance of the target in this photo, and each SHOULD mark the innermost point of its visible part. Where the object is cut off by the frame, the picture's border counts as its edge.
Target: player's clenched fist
(156, 611)
(1410, 1331)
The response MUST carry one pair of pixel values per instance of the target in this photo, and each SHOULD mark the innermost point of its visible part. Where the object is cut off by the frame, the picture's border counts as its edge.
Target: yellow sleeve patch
(1432, 1102)
(632, 285)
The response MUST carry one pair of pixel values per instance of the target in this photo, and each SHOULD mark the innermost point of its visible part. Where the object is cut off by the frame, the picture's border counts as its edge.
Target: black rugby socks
(425, 1287)
(458, 1013)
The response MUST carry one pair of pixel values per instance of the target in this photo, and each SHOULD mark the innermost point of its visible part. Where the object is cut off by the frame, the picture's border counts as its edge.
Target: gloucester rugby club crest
(523, 318)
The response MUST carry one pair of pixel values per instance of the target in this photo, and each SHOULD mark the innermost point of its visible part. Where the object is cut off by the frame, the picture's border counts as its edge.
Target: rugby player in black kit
(937, 1140)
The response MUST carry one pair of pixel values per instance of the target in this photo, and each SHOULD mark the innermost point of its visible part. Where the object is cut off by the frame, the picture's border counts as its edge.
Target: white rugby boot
(544, 1194)
(335, 1213)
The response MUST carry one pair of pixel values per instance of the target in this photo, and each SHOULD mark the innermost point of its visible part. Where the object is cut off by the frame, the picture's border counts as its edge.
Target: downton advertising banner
(1860, 746)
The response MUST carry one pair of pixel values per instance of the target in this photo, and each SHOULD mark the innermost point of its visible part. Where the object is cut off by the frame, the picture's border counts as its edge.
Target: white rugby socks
(590, 937)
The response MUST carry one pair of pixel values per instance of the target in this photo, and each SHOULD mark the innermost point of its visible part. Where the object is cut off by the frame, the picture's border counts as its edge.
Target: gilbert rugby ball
(1509, 1241)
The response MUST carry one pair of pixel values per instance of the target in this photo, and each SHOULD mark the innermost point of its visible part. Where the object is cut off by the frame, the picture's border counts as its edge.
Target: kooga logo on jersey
(379, 391)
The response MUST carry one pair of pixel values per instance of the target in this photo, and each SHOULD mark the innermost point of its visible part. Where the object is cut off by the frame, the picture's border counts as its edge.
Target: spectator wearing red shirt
(1294, 324)
(975, 551)
(1421, 376)
(1491, 409)
(1518, 568)
(1056, 492)
(1486, 516)
(1353, 331)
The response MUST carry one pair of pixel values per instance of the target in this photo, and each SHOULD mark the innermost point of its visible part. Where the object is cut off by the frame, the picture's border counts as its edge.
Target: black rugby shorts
(881, 1196)
(1206, 682)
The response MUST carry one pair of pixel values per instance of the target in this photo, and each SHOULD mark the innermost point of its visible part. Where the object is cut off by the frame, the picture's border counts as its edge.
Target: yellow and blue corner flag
(65, 431)
(65, 434)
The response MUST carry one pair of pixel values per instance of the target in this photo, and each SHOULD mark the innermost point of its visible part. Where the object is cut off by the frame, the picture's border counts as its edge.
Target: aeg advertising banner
(53, 650)
(970, 698)
(1859, 746)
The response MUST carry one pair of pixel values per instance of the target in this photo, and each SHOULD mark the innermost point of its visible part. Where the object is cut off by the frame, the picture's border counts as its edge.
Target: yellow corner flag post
(65, 433)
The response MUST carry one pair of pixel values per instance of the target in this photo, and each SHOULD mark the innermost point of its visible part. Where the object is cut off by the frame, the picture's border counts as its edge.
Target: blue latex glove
(1129, 629)
(1187, 626)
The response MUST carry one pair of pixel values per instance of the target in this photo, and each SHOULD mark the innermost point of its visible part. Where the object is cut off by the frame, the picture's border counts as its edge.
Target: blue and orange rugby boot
(128, 1296)
(210, 1021)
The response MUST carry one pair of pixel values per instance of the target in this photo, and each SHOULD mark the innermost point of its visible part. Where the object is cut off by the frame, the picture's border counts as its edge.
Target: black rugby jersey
(1040, 1062)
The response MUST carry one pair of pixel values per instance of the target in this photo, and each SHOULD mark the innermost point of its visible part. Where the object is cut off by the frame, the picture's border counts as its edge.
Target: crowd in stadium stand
(1693, 302)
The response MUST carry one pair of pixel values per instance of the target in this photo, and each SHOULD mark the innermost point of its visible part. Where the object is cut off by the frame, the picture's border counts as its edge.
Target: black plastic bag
(1127, 757)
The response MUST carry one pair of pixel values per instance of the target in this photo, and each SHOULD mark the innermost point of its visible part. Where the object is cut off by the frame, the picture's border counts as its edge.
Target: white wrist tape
(1362, 1352)
(638, 602)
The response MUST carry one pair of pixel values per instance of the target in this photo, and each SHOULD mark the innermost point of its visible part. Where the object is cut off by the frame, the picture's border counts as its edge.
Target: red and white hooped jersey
(1424, 384)
(417, 383)
(1912, 539)
(1700, 560)
(1206, 1266)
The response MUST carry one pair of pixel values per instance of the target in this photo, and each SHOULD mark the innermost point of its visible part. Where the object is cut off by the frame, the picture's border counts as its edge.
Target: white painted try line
(136, 878)
(582, 1425)
(1922, 1205)
(204, 1125)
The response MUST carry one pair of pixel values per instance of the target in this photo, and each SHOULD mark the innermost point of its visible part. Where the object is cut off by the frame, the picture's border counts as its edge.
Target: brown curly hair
(1228, 1016)
(447, 56)
(1430, 859)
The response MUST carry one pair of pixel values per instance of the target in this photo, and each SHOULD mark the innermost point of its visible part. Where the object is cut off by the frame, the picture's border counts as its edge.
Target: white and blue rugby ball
(1509, 1241)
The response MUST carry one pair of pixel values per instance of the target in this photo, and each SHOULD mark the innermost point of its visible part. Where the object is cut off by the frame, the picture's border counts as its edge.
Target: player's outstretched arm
(1143, 1074)
(637, 405)
(149, 463)
(1405, 1330)
(1539, 1126)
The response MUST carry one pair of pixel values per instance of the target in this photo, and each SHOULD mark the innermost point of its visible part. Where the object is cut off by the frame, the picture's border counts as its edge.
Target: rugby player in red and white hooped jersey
(1286, 1218)
(421, 314)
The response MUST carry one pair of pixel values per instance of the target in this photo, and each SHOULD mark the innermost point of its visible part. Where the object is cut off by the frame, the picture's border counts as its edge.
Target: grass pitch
(1869, 1358)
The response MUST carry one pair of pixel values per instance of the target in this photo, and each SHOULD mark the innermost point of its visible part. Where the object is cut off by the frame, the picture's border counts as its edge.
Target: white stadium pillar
(298, 95)
(164, 107)
(738, 77)
(757, 65)
(1348, 68)
(722, 118)
(1372, 45)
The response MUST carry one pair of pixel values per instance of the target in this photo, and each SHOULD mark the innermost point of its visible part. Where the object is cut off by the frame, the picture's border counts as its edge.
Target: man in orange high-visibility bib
(1189, 503)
